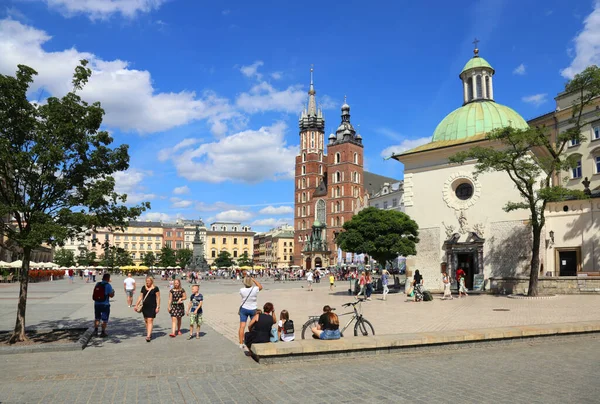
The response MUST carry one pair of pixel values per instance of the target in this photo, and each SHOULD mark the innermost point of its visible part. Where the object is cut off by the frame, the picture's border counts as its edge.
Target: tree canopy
(115, 257)
(167, 257)
(244, 260)
(532, 157)
(381, 234)
(224, 260)
(56, 167)
(149, 259)
(183, 257)
(64, 257)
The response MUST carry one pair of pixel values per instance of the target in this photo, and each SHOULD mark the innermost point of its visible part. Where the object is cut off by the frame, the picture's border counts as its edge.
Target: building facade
(173, 236)
(140, 237)
(275, 248)
(328, 184)
(190, 231)
(232, 237)
(389, 197)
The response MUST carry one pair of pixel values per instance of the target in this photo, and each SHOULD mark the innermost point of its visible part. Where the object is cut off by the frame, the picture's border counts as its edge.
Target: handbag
(138, 307)
(244, 302)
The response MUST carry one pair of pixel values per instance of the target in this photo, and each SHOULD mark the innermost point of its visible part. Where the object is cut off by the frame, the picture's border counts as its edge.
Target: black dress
(149, 306)
(261, 330)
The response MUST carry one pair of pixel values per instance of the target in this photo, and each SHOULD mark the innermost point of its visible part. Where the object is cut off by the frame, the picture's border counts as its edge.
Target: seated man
(328, 326)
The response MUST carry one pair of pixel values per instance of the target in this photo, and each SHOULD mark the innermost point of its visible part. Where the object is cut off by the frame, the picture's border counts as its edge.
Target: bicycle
(362, 324)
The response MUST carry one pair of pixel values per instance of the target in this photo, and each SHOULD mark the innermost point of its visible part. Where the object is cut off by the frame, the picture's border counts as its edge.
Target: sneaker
(103, 335)
(95, 332)
(242, 346)
(191, 337)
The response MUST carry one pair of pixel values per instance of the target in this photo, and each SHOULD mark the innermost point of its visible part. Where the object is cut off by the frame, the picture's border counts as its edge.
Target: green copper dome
(475, 62)
(477, 118)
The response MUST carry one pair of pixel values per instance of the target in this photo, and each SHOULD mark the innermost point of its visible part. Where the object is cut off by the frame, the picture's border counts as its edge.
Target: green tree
(184, 257)
(167, 257)
(531, 158)
(381, 234)
(115, 257)
(56, 169)
(244, 260)
(149, 259)
(64, 257)
(224, 260)
(88, 258)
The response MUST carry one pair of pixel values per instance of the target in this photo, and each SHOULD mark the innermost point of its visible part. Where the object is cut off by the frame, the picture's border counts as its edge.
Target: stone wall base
(565, 285)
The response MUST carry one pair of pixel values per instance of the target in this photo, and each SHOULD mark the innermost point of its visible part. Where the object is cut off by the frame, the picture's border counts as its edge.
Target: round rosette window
(461, 191)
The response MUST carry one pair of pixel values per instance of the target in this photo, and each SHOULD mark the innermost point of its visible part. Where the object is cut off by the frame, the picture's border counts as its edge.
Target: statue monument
(198, 262)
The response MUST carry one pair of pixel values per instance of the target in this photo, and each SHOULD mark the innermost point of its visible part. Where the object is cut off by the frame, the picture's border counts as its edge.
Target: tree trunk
(535, 262)
(19, 332)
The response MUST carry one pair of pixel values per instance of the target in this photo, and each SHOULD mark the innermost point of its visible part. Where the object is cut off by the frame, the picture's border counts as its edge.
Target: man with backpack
(103, 291)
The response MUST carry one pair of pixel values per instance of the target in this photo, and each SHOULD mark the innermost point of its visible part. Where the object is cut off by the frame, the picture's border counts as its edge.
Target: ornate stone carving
(449, 230)
(448, 192)
(463, 224)
(479, 229)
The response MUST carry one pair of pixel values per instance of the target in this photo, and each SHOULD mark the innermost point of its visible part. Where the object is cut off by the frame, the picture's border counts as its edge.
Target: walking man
(102, 306)
(310, 279)
(129, 286)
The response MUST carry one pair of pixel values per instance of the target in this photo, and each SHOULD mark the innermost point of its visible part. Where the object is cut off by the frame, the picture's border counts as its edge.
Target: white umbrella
(16, 264)
(4, 264)
(51, 265)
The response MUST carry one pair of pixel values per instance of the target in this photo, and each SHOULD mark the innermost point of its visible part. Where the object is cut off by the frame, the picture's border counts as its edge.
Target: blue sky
(207, 94)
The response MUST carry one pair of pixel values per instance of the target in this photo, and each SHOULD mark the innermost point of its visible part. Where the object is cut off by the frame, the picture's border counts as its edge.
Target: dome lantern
(477, 79)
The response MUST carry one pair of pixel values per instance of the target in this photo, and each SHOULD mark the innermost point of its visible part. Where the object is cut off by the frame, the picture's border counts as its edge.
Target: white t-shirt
(86, 272)
(129, 283)
(285, 337)
(252, 295)
(309, 276)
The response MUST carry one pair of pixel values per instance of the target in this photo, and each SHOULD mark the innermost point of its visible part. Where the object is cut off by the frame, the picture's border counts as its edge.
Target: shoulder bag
(244, 302)
(139, 306)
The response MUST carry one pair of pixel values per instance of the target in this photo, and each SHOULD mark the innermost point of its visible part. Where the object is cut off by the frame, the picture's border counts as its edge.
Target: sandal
(197, 337)
(148, 339)
(191, 337)
(172, 335)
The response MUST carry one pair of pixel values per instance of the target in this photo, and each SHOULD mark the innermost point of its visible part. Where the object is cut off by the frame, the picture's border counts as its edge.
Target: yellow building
(231, 237)
(139, 238)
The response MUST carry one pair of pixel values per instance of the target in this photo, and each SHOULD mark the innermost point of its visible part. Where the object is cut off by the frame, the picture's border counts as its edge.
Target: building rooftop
(374, 182)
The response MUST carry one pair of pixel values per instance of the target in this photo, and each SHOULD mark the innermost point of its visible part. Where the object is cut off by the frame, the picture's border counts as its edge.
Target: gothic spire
(312, 117)
(312, 102)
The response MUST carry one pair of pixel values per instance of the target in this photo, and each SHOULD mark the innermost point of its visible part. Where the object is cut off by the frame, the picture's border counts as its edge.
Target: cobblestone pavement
(175, 373)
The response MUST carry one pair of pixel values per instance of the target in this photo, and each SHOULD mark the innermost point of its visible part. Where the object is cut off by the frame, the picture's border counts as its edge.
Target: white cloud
(181, 190)
(536, 99)
(519, 70)
(280, 210)
(104, 8)
(271, 222)
(161, 217)
(180, 203)
(405, 145)
(226, 12)
(587, 45)
(241, 157)
(276, 75)
(233, 216)
(390, 134)
(212, 207)
(264, 97)
(127, 95)
(252, 70)
(130, 182)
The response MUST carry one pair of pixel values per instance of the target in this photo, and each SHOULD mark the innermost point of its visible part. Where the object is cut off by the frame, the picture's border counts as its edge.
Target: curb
(523, 297)
(72, 346)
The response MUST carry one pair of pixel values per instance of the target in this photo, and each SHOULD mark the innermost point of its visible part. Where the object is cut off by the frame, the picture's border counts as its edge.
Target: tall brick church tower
(328, 187)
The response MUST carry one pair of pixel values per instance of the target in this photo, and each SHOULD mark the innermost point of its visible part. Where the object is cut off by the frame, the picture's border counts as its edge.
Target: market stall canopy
(4, 264)
(17, 264)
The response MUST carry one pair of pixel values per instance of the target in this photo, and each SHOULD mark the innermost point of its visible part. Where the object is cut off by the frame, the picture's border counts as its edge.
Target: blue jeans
(330, 334)
(245, 313)
(369, 290)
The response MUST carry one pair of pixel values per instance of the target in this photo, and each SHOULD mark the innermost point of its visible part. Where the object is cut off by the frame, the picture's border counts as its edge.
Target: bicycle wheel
(307, 328)
(363, 328)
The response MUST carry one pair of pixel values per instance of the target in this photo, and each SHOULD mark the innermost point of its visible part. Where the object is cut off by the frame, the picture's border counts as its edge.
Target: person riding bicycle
(328, 326)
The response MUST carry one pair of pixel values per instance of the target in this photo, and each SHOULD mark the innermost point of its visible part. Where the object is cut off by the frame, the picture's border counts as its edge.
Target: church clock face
(461, 191)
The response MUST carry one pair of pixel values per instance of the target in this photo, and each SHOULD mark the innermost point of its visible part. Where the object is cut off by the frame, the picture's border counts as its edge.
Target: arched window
(299, 239)
(303, 170)
(576, 170)
(303, 196)
(469, 89)
(337, 207)
(303, 183)
(338, 177)
(320, 169)
(337, 191)
(355, 158)
(337, 221)
(479, 86)
(338, 158)
(303, 225)
(320, 210)
(487, 87)
(320, 156)
(303, 157)
(304, 211)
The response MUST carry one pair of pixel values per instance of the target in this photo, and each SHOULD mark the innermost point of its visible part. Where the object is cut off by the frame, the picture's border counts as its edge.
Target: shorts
(309, 282)
(245, 313)
(101, 312)
(129, 293)
(196, 319)
(330, 334)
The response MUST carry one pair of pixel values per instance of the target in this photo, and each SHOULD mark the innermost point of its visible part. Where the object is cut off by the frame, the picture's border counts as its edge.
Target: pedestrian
(249, 295)
(260, 326)
(362, 284)
(103, 291)
(129, 287)
(328, 326)
(285, 327)
(148, 304)
(94, 275)
(368, 285)
(176, 307)
(417, 284)
(194, 310)
(71, 275)
(86, 274)
(331, 281)
(462, 288)
(309, 280)
(384, 282)
(446, 280)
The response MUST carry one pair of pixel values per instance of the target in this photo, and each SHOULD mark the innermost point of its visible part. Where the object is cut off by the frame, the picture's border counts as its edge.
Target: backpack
(288, 327)
(99, 293)
(427, 297)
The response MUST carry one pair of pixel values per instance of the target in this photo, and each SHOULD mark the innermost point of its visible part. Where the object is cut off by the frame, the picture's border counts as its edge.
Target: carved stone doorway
(466, 254)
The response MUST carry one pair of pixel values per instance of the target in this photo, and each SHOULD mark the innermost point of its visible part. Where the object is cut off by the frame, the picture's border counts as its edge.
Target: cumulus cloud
(96, 9)
(271, 222)
(161, 217)
(280, 210)
(264, 97)
(233, 216)
(180, 203)
(213, 207)
(587, 45)
(536, 99)
(252, 70)
(127, 95)
(276, 75)
(181, 190)
(130, 182)
(519, 70)
(240, 157)
(405, 145)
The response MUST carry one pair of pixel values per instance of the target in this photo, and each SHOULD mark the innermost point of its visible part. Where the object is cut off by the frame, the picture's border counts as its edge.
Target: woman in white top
(249, 295)
(284, 317)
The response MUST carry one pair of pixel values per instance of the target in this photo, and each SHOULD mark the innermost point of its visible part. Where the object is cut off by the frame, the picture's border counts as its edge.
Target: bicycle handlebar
(353, 303)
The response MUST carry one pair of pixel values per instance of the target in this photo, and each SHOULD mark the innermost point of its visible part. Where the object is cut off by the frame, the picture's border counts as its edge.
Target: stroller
(418, 291)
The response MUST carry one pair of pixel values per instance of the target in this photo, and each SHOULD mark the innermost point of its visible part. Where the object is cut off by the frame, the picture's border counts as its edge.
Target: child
(331, 281)
(462, 288)
(285, 327)
(195, 311)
